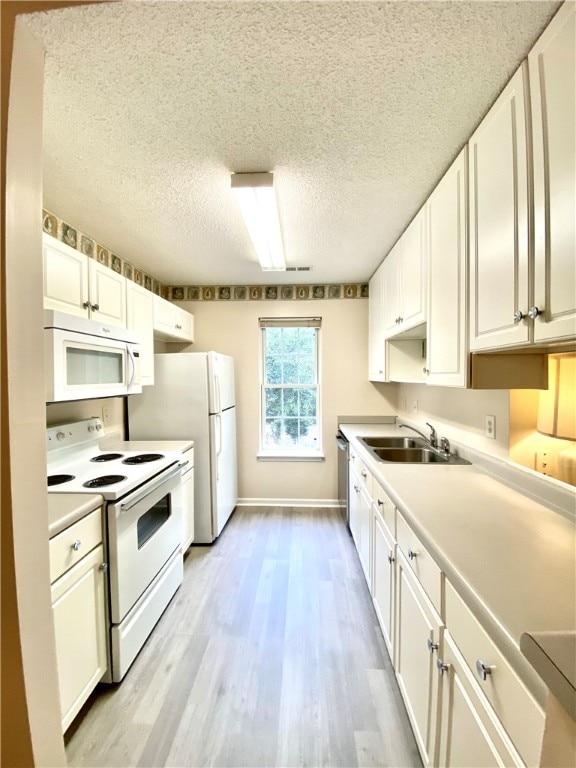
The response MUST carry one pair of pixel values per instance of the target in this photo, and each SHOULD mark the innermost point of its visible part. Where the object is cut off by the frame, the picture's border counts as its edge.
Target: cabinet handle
(364, 473)
(380, 503)
(103, 567)
(356, 488)
(442, 667)
(179, 327)
(483, 669)
(432, 646)
(76, 546)
(390, 558)
(86, 305)
(518, 315)
(95, 307)
(425, 371)
(412, 554)
(533, 313)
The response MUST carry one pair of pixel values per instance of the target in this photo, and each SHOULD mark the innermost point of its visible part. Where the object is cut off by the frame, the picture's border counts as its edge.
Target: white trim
(291, 457)
(331, 503)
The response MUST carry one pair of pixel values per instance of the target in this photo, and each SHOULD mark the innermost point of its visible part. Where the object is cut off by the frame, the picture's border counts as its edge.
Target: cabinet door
(187, 509)
(417, 625)
(376, 344)
(80, 626)
(552, 64)
(499, 222)
(391, 290)
(383, 580)
(447, 336)
(470, 733)
(65, 277)
(413, 273)
(365, 548)
(354, 501)
(184, 324)
(107, 295)
(140, 318)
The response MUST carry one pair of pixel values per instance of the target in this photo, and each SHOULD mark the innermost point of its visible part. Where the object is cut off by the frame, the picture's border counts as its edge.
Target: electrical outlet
(414, 406)
(542, 462)
(403, 404)
(490, 427)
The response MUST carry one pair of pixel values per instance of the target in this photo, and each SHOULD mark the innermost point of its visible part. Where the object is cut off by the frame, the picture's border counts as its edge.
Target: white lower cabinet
(360, 522)
(78, 605)
(383, 578)
(188, 501)
(470, 733)
(418, 638)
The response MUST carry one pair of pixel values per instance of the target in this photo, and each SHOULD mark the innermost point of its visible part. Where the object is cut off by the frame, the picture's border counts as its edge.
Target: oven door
(144, 530)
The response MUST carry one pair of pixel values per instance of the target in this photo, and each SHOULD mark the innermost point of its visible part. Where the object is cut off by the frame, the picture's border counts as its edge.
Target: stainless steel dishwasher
(343, 496)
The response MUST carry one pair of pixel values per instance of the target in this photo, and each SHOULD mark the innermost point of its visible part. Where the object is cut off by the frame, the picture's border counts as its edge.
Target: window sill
(290, 456)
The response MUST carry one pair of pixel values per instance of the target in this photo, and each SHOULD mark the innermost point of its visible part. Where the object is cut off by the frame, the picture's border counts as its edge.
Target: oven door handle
(151, 487)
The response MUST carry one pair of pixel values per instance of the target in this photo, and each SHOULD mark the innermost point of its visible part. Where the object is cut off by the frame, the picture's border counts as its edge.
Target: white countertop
(510, 557)
(65, 509)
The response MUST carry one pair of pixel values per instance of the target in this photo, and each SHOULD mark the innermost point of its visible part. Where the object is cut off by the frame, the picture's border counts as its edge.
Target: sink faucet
(433, 439)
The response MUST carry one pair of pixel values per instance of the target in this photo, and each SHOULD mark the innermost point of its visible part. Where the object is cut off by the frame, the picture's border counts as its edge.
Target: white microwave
(86, 359)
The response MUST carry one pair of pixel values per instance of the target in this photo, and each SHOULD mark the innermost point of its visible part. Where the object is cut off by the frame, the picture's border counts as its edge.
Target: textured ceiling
(358, 108)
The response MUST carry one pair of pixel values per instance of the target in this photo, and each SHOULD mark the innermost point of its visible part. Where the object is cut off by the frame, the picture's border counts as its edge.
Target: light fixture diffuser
(257, 200)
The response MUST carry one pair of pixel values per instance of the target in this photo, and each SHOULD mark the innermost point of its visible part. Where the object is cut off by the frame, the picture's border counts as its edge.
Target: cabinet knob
(432, 646)
(178, 327)
(95, 307)
(364, 473)
(76, 545)
(442, 667)
(483, 669)
(390, 558)
(518, 315)
(425, 371)
(380, 502)
(103, 567)
(356, 488)
(86, 305)
(412, 554)
(533, 313)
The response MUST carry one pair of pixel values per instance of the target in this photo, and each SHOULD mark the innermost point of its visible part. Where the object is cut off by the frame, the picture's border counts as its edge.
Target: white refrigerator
(193, 399)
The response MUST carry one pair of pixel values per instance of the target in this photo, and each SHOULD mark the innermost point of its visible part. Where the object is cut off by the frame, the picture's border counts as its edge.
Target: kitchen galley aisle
(269, 654)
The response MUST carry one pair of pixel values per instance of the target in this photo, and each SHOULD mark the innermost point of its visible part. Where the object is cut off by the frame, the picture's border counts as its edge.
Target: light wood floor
(269, 655)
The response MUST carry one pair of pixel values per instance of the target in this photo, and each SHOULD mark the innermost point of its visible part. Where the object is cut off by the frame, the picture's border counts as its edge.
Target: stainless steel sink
(408, 450)
(393, 442)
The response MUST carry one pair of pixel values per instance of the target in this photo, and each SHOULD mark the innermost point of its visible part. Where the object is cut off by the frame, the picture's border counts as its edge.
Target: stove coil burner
(99, 482)
(143, 458)
(107, 457)
(59, 479)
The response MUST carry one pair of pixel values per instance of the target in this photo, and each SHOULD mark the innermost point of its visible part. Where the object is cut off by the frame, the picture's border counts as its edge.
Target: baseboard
(288, 503)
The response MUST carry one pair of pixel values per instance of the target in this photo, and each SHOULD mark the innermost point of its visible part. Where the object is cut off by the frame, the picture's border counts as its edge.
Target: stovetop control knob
(98, 427)
(60, 435)
(91, 428)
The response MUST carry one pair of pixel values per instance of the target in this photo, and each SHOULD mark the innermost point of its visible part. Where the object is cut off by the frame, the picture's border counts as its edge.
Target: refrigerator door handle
(219, 435)
(218, 404)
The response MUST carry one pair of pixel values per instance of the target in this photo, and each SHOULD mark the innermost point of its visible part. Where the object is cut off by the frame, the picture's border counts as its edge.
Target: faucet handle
(433, 438)
(445, 444)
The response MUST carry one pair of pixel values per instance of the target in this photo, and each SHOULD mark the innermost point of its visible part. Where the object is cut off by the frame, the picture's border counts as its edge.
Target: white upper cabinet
(404, 280)
(413, 273)
(140, 318)
(376, 343)
(552, 66)
(78, 285)
(499, 243)
(171, 323)
(447, 342)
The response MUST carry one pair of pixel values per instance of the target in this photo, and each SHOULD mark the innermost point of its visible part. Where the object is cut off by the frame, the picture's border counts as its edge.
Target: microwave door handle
(132, 362)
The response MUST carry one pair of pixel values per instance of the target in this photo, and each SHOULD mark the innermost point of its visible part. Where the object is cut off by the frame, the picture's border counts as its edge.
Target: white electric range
(143, 526)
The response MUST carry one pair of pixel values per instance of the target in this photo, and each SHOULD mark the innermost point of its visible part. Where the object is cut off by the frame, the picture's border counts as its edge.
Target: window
(290, 388)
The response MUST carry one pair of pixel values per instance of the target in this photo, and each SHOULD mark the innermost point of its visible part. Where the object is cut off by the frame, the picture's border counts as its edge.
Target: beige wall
(28, 628)
(232, 328)
(110, 409)
(459, 414)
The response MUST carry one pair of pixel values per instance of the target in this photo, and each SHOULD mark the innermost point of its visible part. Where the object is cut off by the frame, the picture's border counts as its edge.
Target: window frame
(290, 454)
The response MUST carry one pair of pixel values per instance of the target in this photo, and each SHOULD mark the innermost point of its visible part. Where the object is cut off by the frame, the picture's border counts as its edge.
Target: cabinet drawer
(384, 507)
(65, 550)
(421, 562)
(362, 472)
(520, 714)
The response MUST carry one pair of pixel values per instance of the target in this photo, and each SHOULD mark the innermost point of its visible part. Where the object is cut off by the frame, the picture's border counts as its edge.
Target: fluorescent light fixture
(255, 195)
